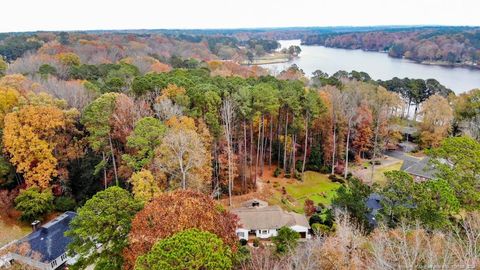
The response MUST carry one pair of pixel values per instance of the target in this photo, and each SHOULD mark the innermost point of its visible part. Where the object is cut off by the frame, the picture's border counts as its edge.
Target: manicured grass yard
(315, 186)
(379, 176)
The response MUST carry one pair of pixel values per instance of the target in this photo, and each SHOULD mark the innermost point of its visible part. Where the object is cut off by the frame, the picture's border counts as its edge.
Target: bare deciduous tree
(180, 153)
(73, 92)
(228, 115)
(165, 109)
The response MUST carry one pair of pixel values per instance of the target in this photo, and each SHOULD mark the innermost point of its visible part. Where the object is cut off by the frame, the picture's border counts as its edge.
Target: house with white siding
(46, 247)
(259, 220)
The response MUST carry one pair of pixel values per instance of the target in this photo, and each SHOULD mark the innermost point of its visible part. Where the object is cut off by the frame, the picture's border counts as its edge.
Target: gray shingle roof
(267, 217)
(421, 168)
(49, 240)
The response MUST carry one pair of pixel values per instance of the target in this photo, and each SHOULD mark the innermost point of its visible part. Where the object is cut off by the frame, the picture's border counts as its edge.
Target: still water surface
(377, 65)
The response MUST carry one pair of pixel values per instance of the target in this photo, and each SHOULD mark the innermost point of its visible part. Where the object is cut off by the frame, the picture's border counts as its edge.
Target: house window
(264, 232)
(240, 234)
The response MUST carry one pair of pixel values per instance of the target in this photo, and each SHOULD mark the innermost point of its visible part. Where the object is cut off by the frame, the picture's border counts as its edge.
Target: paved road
(401, 155)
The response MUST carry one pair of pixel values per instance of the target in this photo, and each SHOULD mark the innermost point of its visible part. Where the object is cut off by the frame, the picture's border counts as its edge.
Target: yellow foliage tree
(18, 82)
(8, 99)
(69, 59)
(145, 186)
(29, 140)
(437, 116)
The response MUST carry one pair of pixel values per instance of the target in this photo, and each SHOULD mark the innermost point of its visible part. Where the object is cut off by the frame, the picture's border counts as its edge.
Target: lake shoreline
(429, 63)
(380, 66)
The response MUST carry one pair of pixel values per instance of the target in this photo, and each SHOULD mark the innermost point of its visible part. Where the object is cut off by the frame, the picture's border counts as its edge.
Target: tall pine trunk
(334, 145)
(375, 142)
(264, 142)
(270, 143)
(285, 144)
(258, 152)
(306, 144)
(251, 152)
(244, 155)
(348, 144)
(104, 170)
(113, 159)
(293, 156)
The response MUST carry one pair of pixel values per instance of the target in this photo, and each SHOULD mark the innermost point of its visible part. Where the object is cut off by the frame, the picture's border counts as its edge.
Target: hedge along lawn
(315, 186)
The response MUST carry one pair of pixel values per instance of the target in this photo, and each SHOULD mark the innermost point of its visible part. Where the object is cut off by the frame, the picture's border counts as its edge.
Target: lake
(378, 65)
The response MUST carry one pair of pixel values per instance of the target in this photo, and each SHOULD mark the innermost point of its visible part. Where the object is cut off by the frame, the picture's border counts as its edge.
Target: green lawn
(315, 186)
(379, 176)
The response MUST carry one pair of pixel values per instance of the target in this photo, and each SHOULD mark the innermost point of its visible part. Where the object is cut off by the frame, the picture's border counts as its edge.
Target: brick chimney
(35, 225)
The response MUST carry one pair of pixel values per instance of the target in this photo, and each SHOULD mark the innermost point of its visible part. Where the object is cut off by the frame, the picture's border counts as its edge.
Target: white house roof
(267, 217)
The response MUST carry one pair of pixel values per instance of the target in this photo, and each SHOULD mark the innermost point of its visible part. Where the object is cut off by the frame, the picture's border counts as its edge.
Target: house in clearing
(259, 220)
(45, 248)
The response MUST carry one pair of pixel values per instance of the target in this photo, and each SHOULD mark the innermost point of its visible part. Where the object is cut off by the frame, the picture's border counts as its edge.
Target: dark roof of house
(420, 168)
(49, 241)
(373, 203)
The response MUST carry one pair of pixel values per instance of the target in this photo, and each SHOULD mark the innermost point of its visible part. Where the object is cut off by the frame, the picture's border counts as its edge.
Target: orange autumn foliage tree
(159, 67)
(29, 141)
(173, 212)
(362, 135)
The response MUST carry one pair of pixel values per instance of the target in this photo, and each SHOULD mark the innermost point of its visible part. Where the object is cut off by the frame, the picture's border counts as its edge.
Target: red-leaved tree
(173, 212)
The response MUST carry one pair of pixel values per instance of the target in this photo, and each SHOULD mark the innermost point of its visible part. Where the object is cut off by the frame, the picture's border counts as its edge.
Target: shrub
(325, 169)
(34, 204)
(340, 169)
(285, 240)
(340, 180)
(242, 256)
(377, 162)
(298, 176)
(256, 242)
(309, 207)
(284, 191)
(277, 172)
(243, 242)
(298, 165)
(320, 229)
(315, 219)
(336, 179)
(328, 218)
(63, 203)
(321, 205)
